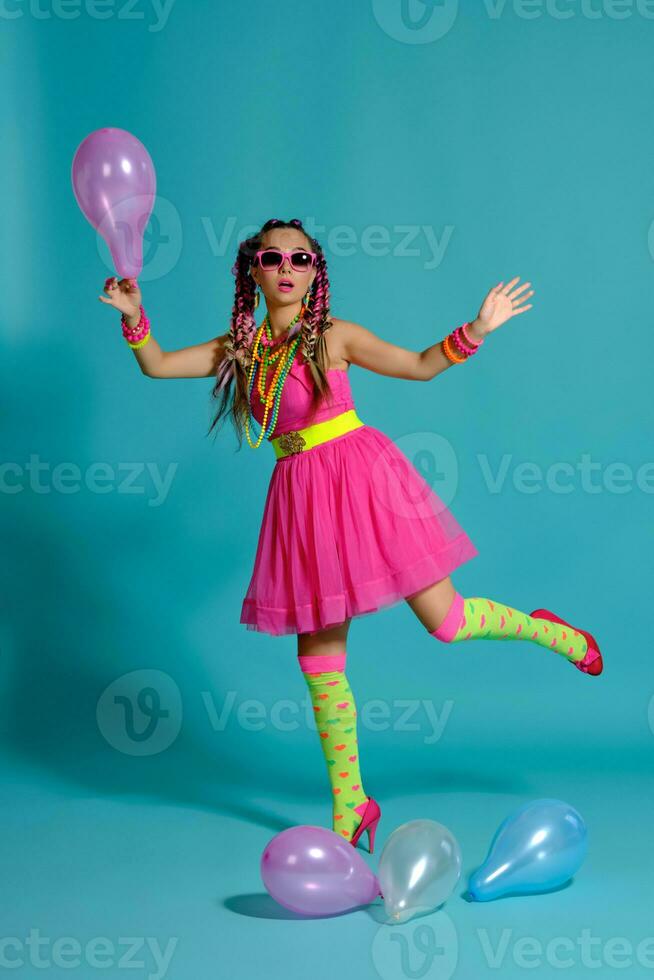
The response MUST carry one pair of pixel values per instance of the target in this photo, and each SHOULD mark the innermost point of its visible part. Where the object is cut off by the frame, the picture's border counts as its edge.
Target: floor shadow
(263, 906)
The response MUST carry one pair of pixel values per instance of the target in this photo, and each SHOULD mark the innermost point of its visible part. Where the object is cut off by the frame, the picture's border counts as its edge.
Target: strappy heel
(369, 822)
(592, 661)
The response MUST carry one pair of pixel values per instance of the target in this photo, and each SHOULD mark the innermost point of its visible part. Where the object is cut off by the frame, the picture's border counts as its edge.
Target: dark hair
(236, 360)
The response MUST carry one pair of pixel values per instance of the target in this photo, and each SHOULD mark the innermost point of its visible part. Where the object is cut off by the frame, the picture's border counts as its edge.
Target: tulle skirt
(349, 527)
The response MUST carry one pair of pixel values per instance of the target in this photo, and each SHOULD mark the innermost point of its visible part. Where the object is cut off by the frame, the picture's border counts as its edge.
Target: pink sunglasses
(273, 258)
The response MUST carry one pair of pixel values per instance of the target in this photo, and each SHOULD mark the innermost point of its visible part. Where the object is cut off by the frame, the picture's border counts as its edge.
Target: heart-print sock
(336, 720)
(480, 619)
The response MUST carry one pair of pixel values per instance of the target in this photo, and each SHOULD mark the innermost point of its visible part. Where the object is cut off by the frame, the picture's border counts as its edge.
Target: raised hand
(501, 303)
(124, 296)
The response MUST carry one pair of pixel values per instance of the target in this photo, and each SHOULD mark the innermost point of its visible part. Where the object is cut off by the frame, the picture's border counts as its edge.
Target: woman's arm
(359, 346)
(363, 348)
(198, 361)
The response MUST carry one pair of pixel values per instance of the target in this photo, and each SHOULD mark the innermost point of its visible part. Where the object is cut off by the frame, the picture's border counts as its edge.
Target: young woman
(349, 525)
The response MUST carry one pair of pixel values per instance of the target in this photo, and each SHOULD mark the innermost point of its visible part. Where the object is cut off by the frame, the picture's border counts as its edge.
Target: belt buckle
(292, 442)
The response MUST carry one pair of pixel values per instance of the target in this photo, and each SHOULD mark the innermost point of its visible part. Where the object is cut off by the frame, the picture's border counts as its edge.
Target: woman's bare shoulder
(335, 341)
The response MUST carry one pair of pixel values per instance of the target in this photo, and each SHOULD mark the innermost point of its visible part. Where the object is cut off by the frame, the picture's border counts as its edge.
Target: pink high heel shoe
(592, 662)
(369, 821)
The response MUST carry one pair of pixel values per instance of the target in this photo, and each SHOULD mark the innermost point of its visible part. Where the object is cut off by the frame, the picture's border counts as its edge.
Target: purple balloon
(313, 871)
(114, 183)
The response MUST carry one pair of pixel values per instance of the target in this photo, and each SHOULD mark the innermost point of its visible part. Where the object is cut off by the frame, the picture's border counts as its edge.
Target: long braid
(243, 324)
(315, 325)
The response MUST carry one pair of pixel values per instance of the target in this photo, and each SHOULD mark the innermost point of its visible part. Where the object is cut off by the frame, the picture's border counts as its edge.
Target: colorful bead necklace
(263, 355)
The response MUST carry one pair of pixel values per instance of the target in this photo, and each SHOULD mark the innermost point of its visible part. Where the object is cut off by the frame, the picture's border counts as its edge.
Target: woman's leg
(449, 617)
(324, 642)
(432, 604)
(321, 657)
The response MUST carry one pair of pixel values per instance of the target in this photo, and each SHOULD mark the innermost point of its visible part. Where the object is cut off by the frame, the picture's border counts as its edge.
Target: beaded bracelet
(141, 343)
(459, 346)
(473, 343)
(448, 350)
(141, 328)
(139, 335)
(465, 348)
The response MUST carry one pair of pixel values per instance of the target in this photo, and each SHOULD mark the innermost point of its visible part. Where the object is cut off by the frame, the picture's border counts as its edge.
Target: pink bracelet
(456, 338)
(466, 349)
(134, 334)
(462, 347)
(143, 321)
(474, 343)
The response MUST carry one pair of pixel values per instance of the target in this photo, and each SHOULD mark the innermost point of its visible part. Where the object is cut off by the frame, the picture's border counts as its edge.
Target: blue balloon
(537, 847)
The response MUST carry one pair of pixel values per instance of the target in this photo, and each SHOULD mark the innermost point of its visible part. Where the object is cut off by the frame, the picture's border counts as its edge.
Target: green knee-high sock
(335, 713)
(480, 618)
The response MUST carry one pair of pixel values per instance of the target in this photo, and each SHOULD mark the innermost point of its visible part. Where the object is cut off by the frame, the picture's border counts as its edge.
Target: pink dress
(349, 526)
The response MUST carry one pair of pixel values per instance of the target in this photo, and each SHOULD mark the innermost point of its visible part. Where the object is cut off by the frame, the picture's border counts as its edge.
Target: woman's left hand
(501, 303)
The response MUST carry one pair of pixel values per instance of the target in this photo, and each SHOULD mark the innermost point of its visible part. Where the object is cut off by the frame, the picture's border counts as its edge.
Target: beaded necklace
(283, 356)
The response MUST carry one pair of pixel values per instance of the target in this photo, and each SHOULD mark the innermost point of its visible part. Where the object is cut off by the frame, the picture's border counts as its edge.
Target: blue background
(521, 139)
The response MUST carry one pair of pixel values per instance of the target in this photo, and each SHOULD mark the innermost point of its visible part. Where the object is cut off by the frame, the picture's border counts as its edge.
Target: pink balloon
(313, 871)
(114, 183)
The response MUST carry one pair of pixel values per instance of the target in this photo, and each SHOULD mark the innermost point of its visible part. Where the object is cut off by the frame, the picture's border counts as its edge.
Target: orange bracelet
(449, 352)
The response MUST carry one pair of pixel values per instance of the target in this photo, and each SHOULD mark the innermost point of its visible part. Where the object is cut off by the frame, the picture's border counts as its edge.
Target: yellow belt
(298, 440)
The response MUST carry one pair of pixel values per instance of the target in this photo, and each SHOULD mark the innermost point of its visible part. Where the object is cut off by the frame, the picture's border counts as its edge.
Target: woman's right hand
(123, 295)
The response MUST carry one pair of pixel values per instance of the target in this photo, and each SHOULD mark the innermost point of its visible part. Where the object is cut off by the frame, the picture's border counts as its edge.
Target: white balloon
(419, 868)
